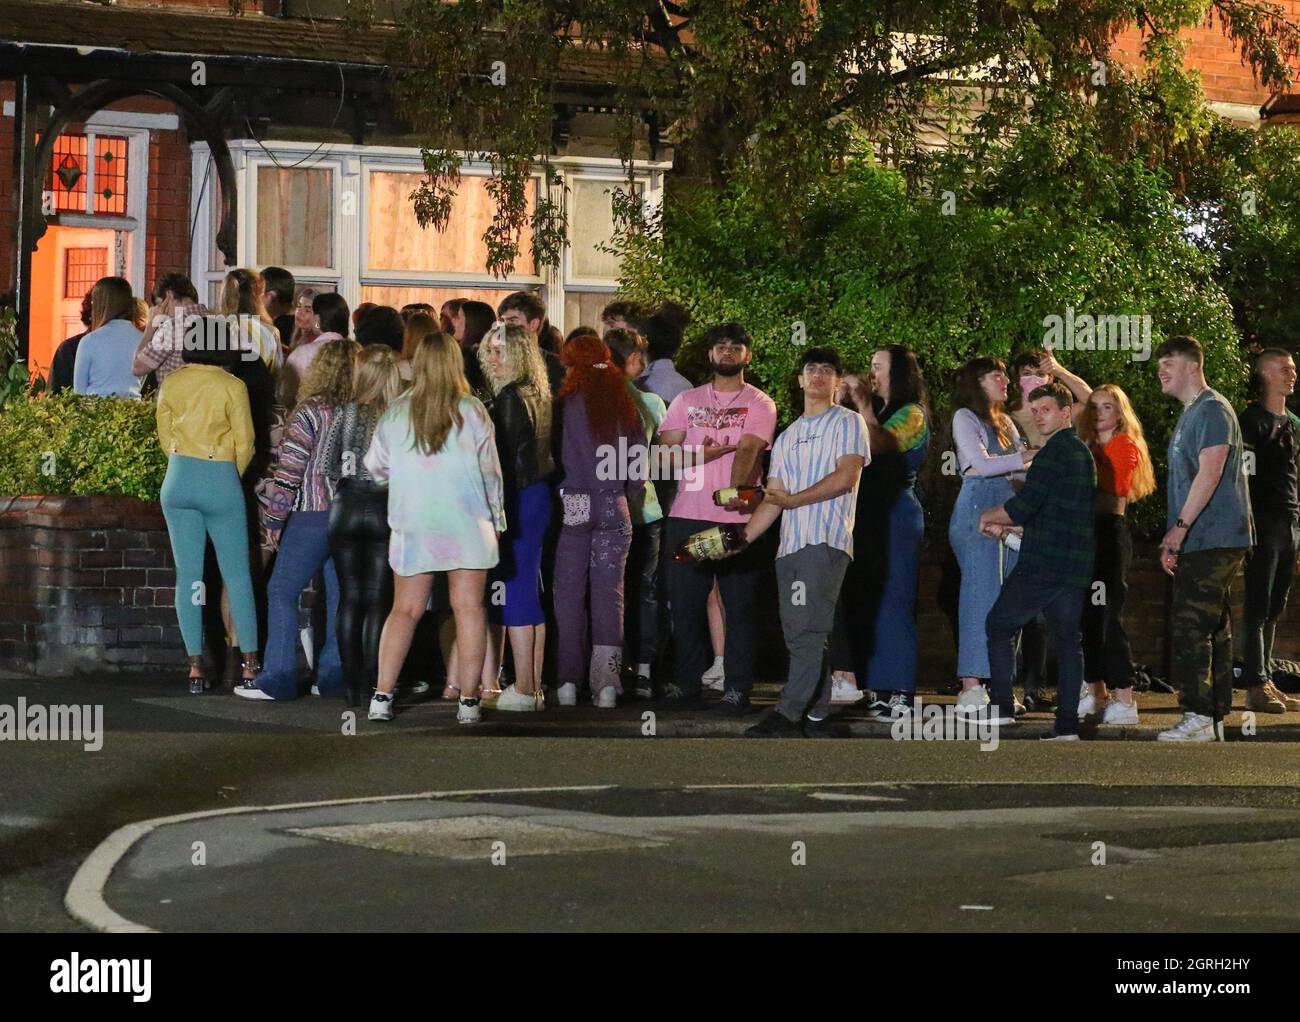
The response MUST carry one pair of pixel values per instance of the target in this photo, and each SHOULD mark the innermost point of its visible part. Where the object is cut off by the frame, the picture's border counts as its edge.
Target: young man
(813, 487)
(1054, 511)
(173, 298)
(726, 424)
(278, 299)
(528, 311)
(1210, 530)
(65, 356)
(1270, 431)
(663, 336)
(641, 579)
(621, 315)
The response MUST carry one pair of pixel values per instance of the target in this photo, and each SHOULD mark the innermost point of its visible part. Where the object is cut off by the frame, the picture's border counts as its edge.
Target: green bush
(73, 444)
(875, 264)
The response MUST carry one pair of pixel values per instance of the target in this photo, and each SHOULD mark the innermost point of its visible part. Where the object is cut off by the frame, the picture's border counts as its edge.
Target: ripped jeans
(588, 587)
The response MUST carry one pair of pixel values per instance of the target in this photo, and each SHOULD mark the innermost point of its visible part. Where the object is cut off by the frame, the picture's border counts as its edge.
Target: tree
(778, 93)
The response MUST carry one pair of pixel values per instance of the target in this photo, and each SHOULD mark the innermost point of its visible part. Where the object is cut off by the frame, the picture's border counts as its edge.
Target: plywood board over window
(295, 214)
(382, 294)
(591, 220)
(396, 241)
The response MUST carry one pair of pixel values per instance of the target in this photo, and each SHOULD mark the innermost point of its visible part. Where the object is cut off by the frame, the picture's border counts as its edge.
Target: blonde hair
(328, 380)
(436, 392)
(525, 365)
(1144, 476)
(111, 299)
(241, 295)
(376, 379)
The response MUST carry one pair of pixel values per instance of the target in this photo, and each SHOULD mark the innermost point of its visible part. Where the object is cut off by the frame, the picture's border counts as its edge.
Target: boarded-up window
(591, 224)
(397, 241)
(398, 296)
(582, 308)
(295, 216)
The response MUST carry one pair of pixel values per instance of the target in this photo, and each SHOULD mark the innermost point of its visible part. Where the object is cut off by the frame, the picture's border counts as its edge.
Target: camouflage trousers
(1200, 630)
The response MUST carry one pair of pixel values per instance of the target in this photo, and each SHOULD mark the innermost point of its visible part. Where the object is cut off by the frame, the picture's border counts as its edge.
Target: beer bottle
(711, 544)
(746, 493)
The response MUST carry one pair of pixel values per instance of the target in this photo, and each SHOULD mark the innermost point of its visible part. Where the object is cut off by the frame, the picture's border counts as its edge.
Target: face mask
(1029, 384)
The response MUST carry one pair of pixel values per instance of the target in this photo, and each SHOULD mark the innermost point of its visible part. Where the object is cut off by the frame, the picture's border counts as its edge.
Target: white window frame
(352, 166)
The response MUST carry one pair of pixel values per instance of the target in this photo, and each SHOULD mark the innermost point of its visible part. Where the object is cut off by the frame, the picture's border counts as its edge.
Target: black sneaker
(774, 724)
(817, 728)
(898, 705)
(644, 687)
(677, 698)
(1040, 701)
(732, 704)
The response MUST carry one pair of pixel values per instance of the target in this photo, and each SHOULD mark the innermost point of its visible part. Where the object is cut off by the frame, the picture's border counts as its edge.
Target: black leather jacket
(523, 427)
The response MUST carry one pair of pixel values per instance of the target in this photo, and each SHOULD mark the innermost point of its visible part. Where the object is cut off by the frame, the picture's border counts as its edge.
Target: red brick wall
(1226, 79)
(167, 231)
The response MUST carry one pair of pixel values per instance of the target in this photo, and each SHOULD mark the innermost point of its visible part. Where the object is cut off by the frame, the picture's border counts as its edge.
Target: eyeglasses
(820, 370)
(729, 347)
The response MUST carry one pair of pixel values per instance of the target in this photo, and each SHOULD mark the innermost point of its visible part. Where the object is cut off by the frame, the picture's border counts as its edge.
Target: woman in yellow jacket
(206, 428)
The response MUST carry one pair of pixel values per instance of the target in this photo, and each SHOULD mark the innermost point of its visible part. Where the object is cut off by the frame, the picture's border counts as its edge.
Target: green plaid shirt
(1056, 507)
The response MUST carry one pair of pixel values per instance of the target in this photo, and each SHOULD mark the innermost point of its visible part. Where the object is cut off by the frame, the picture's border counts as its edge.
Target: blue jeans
(1023, 598)
(304, 550)
(984, 563)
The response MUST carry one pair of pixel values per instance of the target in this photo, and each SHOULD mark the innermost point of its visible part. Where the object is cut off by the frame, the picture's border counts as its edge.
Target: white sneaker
(418, 688)
(315, 689)
(1088, 705)
(845, 691)
(381, 706)
(467, 711)
(715, 677)
(568, 694)
(1120, 713)
(1194, 728)
(972, 699)
(512, 699)
(249, 690)
(607, 698)
(1059, 738)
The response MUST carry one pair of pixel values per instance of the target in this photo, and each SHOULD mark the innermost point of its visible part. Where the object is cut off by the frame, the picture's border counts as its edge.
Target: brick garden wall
(86, 586)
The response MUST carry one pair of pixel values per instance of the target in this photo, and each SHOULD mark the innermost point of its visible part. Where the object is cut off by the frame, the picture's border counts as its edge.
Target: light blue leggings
(202, 498)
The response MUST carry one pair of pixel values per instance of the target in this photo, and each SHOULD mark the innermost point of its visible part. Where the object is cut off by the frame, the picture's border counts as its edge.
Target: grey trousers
(808, 586)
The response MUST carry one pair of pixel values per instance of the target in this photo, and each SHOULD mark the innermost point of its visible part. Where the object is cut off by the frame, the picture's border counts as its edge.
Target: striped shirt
(300, 482)
(804, 455)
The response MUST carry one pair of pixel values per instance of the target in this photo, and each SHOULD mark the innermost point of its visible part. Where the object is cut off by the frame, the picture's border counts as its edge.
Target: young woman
(295, 517)
(877, 602)
(241, 295)
(435, 450)
(1124, 474)
(359, 519)
(305, 327)
(521, 414)
(205, 426)
(107, 351)
(990, 455)
(598, 416)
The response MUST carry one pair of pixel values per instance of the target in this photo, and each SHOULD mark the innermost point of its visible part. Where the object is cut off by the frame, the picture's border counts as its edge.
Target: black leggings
(1105, 643)
(359, 545)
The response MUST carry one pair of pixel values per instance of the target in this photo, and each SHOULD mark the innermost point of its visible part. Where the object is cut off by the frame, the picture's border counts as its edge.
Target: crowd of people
(580, 503)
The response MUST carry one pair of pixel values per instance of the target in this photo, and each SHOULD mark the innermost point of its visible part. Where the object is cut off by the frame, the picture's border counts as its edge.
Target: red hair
(603, 386)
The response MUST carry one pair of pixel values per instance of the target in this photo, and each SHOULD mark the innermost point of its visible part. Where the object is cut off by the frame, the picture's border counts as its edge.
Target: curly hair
(603, 387)
(329, 379)
(524, 362)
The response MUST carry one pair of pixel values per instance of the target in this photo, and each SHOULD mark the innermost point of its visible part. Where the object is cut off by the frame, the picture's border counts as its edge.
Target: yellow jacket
(203, 413)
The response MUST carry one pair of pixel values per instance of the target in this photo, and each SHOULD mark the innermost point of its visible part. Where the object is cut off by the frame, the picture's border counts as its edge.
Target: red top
(1116, 463)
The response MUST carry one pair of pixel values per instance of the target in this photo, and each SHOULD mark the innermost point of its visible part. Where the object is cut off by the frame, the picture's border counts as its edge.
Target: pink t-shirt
(724, 417)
